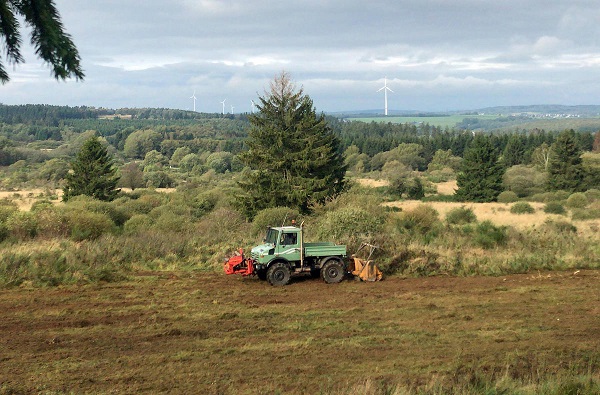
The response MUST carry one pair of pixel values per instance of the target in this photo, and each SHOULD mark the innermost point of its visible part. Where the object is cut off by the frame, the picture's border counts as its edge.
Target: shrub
(522, 208)
(3, 231)
(137, 223)
(488, 236)
(22, 225)
(143, 204)
(113, 210)
(558, 195)
(53, 222)
(171, 221)
(560, 226)
(580, 214)
(422, 219)
(218, 234)
(275, 216)
(461, 215)
(7, 209)
(347, 223)
(415, 189)
(443, 175)
(554, 208)
(171, 208)
(546, 197)
(205, 202)
(592, 195)
(524, 180)
(577, 200)
(507, 197)
(87, 225)
(158, 179)
(41, 205)
(397, 185)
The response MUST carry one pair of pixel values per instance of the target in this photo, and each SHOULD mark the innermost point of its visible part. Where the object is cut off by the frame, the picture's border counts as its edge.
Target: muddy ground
(210, 333)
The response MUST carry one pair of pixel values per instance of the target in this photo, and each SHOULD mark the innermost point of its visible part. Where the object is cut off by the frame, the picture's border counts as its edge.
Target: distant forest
(38, 133)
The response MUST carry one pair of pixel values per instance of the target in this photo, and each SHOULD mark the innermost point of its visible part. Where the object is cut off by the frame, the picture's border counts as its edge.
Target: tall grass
(197, 229)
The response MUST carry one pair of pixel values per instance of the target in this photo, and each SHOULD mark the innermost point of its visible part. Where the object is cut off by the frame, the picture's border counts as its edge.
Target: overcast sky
(436, 54)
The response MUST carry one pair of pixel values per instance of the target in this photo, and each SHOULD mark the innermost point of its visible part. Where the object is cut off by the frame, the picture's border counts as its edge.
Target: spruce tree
(51, 42)
(92, 173)
(480, 176)
(565, 168)
(293, 156)
(514, 152)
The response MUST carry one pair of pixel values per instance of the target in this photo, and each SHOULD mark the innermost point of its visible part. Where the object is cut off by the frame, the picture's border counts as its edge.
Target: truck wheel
(332, 271)
(278, 274)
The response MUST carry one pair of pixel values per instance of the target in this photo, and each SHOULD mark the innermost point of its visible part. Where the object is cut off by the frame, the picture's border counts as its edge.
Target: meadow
(489, 122)
(444, 121)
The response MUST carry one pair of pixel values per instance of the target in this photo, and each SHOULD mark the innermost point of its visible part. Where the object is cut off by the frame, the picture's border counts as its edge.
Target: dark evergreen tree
(293, 155)
(514, 152)
(92, 173)
(565, 168)
(51, 43)
(480, 176)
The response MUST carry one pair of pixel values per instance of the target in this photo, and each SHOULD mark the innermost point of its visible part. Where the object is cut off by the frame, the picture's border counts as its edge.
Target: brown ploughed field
(208, 333)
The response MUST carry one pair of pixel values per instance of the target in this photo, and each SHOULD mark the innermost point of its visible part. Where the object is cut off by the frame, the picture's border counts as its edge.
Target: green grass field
(493, 122)
(443, 121)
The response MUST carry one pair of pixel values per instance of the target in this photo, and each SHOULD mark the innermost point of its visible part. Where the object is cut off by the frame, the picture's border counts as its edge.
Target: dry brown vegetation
(499, 214)
(25, 198)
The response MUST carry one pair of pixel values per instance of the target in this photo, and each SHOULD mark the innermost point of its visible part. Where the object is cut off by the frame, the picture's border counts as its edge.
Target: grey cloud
(441, 54)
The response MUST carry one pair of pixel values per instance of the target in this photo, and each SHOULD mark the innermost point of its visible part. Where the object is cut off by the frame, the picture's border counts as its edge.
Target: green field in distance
(442, 121)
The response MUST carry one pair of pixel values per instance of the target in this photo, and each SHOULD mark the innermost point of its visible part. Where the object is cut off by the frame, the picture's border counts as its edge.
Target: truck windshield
(271, 236)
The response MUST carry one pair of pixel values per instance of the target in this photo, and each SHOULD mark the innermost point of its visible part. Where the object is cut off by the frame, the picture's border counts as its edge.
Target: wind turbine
(223, 103)
(232, 107)
(252, 105)
(385, 91)
(194, 97)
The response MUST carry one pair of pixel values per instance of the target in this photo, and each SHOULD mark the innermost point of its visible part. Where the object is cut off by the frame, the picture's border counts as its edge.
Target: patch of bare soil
(211, 333)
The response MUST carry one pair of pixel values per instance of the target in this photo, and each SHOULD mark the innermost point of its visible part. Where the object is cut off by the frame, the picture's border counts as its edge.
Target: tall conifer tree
(92, 173)
(565, 168)
(514, 152)
(293, 155)
(480, 176)
(51, 42)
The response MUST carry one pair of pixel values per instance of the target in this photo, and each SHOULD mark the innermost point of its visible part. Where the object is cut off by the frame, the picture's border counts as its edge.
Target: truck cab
(280, 243)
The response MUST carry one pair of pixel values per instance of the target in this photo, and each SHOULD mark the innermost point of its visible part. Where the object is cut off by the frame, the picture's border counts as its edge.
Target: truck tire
(278, 274)
(332, 271)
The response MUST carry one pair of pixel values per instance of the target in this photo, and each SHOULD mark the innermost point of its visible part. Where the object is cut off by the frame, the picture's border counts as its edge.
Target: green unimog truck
(284, 253)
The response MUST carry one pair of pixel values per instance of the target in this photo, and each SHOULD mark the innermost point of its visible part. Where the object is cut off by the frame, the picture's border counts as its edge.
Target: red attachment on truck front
(239, 265)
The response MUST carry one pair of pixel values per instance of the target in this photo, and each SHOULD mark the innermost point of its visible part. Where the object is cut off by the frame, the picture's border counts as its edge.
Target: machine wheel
(332, 271)
(262, 274)
(278, 274)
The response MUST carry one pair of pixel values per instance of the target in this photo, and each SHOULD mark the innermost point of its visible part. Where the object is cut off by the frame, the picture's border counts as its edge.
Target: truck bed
(324, 249)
